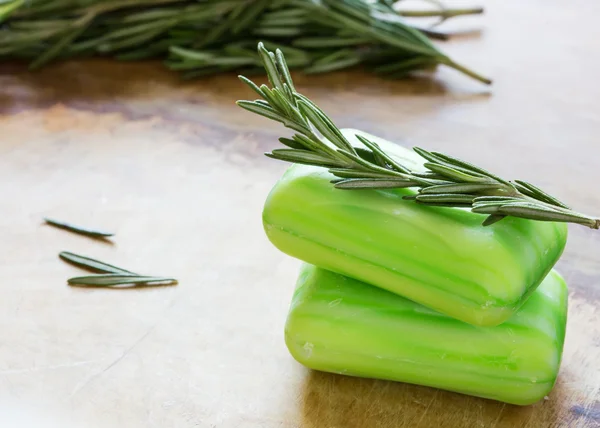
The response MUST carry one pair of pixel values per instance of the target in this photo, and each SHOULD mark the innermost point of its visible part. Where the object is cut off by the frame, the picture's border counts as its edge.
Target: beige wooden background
(177, 171)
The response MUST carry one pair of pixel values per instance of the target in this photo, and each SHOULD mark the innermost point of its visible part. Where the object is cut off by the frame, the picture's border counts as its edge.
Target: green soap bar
(440, 257)
(341, 325)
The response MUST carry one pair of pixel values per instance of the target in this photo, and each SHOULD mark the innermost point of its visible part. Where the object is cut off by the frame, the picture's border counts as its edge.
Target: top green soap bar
(440, 257)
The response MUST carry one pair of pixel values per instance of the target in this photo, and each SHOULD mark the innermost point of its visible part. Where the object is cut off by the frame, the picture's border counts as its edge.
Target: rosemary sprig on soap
(447, 181)
(200, 37)
(91, 264)
(109, 275)
(92, 233)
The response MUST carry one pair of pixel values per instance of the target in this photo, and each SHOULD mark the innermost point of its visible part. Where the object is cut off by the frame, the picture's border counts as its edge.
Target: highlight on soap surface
(341, 325)
(440, 257)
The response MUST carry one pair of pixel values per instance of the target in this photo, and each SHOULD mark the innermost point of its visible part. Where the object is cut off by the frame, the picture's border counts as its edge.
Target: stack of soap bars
(395, 290)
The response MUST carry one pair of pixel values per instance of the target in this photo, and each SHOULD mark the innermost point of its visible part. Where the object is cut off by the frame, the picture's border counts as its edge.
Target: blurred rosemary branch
(202, 37)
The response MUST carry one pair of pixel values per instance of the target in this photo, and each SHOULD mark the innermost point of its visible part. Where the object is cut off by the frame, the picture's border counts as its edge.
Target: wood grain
(177, 171)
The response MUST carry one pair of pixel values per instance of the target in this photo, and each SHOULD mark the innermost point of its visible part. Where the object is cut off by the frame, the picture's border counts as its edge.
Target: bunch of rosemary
(203, 37)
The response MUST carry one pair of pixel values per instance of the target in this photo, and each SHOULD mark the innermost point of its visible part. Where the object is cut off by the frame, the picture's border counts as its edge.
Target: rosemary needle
(91, 264)
(449, 182)
(110, 275)
(110, 279)
(93, 233)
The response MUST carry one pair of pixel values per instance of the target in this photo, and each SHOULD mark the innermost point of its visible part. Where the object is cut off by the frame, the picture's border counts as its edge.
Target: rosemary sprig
(92, 233)
(200, 37)
(448, 181)
(109, 275)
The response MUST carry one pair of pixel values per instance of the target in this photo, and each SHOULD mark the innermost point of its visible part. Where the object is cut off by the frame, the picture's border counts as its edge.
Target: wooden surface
(176, 170)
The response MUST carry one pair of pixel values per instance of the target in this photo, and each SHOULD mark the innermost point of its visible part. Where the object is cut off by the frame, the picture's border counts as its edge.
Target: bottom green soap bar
(340, 325)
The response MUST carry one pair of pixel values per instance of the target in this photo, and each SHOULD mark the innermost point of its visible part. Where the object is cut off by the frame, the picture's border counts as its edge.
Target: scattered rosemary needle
(92, 265)
(78, 229)
(448, 182)
(202, 37)
(110, 279)
(110, 275)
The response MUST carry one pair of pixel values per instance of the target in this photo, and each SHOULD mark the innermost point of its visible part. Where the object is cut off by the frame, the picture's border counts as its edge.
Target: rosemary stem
(590, 222)
(447, 61)
(445, 13)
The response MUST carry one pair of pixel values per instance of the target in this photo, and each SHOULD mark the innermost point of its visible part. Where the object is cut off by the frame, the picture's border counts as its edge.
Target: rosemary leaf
(495, 198)
(470, 167)
(461, 188)
(322, 126)
(8, 7)
(284, 70)
(373, 183)
(490, 208)
(262, 110)
(437, 160)
(339, 64)
(252, 86)
(291, 143)
(270, 113)
(110, 279)
(491, 219)
(428, 175)
(445, 198)
(368, 166)
(273, 97)
(302, 157)
(269, 63)
(91, 264)
(535, 192)
(249, 15)
(328, 42)
(404, 66)
(189, 54)
(55, 50)
(390, 160)
(453, 174)
(541, 213)
(366, 154)
(289, 93)
(78, 229)
(427, 155)
(314, 145)
(350, 173)
(340, 138)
